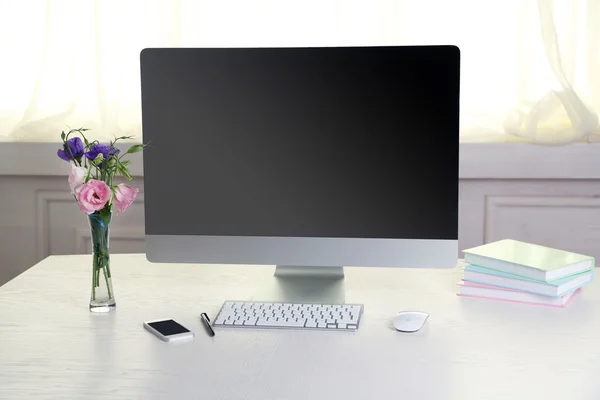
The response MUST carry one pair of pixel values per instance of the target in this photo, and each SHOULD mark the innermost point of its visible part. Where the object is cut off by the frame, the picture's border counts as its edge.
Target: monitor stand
(304, 284)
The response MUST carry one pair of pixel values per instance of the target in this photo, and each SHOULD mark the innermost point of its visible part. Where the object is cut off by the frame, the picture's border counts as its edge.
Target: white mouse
(410, 321)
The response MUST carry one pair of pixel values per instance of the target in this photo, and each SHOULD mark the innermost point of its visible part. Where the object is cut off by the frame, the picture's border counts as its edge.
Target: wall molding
(477, 160)
(493, 203)
(518, 161)
(43, 199)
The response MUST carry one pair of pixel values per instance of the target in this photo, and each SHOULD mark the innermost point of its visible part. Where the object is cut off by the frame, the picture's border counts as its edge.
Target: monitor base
(303, 284)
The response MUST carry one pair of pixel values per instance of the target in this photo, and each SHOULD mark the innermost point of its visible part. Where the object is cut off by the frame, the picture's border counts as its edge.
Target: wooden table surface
(51, 346)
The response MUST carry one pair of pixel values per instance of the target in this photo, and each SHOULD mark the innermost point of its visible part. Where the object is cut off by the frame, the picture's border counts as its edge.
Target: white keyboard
(250, 314)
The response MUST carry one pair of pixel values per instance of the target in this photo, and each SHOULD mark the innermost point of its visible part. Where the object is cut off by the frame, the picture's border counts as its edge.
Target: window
(529, 68)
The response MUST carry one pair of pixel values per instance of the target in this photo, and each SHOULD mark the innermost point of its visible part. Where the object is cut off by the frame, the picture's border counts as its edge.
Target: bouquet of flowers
(95, 168)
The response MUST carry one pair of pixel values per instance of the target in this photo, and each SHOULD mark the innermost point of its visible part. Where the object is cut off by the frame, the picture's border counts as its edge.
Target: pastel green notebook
(528, 260)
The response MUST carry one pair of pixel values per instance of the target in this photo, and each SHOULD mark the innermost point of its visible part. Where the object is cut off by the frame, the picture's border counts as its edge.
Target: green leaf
(62, 135)
(99, 158)
(105, 215)
(125, 172)
(135, 149)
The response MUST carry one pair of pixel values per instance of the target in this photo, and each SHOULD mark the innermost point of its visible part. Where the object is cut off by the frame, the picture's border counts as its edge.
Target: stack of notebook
(521, 272)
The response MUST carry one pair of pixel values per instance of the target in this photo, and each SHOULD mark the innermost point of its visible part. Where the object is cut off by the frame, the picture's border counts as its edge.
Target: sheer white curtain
(530, 69)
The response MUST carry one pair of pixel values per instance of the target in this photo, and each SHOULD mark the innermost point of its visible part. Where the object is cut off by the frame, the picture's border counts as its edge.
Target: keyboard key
(356, 309)
(311, 323)
(296, 323)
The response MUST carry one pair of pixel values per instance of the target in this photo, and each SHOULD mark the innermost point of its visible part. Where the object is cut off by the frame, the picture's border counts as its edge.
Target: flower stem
(107, 283)
(94, 284)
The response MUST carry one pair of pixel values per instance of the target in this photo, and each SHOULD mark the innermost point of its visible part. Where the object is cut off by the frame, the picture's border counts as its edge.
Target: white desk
(51, 346)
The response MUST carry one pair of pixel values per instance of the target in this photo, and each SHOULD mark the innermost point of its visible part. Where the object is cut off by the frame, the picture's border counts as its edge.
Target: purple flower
(105, 149)
(75, 145)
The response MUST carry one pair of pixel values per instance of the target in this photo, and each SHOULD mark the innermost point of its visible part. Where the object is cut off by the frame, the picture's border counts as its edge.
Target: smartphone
(168, 330)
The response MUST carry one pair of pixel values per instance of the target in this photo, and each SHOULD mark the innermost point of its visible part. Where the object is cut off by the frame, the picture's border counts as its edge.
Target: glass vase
(103, 296)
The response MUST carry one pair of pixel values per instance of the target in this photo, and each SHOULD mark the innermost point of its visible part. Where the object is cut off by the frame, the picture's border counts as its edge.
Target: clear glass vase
(103, 296)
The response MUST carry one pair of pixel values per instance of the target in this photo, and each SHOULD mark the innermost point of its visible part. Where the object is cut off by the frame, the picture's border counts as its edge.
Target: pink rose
(124, 196)
(93, 196)
(77, 176)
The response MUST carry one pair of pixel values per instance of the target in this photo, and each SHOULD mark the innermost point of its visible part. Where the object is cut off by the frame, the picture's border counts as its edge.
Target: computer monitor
(305, 157)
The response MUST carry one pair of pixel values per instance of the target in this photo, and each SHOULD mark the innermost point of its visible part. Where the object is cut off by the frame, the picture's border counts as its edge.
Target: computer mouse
(410, 321)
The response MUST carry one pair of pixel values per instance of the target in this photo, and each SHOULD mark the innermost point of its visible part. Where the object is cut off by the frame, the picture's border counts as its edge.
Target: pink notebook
(482, 291)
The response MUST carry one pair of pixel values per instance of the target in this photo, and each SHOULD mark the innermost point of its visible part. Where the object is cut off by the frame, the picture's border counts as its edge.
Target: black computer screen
(356, 142)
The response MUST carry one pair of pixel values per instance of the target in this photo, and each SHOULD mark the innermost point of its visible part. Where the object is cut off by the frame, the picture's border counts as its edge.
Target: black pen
(207, 323)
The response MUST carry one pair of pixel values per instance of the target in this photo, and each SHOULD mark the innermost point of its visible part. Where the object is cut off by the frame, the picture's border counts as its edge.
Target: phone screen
(168, 327)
